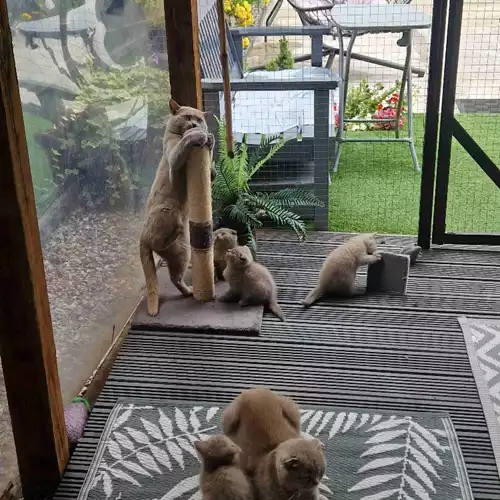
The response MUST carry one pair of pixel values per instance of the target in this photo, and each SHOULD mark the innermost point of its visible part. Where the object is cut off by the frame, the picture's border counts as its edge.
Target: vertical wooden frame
(181, 23)
(26, 339)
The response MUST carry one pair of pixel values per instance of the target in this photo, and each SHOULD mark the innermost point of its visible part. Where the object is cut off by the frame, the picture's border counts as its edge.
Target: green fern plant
(237, 205)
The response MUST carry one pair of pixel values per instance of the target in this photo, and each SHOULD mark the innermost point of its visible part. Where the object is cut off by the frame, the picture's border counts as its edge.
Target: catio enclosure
(94, 85)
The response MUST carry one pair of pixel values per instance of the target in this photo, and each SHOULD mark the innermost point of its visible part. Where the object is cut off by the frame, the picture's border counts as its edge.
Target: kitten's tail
(312, 297)
(275, 308)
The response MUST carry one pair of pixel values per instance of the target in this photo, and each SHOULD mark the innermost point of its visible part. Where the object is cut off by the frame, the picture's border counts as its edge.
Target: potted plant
(236, 206)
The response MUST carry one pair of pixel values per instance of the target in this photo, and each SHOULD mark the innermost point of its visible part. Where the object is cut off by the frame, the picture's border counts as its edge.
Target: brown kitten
(258, 420)
(166, 227)
(338, 274)
(249, 282)
(293, 470)
(221, 477)
(224, 240)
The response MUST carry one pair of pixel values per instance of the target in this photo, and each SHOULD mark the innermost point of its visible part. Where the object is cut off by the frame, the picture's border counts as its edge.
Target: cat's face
(239, 256)
(183, 118)
(370, 243)
(226, 237)
(300, 464)
(218, 450)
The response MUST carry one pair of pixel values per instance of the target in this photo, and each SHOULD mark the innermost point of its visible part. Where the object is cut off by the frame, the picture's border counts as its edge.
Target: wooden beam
(26, 340)
(181, 22)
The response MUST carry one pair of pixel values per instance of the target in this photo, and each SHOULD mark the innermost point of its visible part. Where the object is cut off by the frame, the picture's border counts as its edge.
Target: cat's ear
(291, 463)
(234, 232)
(207, 114)
(202, 447)
(174, 106)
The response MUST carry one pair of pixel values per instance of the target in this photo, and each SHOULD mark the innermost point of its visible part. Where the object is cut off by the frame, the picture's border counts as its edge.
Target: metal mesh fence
(368, 185)
(473, 204)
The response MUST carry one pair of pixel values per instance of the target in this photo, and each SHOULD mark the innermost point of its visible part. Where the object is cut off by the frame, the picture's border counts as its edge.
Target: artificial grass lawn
(41, 170)
(377, 189)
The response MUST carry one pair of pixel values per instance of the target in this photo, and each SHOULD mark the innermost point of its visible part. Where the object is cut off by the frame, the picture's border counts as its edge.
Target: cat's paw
(153, 305)
(377, 255)
(196, 138)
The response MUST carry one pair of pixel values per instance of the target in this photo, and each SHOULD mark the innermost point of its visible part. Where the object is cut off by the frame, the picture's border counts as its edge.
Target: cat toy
(75, 418)
(224, 60)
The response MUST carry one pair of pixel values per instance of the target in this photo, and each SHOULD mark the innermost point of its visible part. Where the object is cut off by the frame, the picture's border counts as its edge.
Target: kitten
(293, 470)
(224, 240)
(166, 226)
(258, 420)
(221, 477)
(249, 282)
(338, 274)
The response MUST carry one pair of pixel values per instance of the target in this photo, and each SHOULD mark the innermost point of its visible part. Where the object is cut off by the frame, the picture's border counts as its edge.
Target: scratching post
(200, 223)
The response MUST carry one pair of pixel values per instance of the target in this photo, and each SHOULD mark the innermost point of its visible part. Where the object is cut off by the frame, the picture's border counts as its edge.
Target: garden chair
(297, 103)
(315, 13)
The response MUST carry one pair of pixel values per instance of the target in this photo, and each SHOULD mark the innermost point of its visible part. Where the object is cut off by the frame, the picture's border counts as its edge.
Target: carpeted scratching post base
(390, 274)
(181, 314)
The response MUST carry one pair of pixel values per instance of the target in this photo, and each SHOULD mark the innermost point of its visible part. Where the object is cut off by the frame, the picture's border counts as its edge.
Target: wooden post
(181, 23)
(26, 341)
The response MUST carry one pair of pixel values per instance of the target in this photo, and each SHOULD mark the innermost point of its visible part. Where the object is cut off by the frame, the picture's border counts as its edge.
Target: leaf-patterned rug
(146, 452)
(482, 337)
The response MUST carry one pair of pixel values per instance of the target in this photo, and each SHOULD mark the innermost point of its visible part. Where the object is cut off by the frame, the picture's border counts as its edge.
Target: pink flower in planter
(336, 115)
(386, 114)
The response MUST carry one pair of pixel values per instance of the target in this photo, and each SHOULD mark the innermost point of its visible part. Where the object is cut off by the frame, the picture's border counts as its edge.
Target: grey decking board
(423, 269)
(436, 254)
(376, 353)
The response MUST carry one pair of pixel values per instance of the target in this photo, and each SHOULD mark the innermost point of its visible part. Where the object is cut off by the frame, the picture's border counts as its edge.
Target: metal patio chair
(316, 13)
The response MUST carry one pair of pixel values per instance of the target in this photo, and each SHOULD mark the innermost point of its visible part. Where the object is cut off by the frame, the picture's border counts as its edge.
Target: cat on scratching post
(171, 204)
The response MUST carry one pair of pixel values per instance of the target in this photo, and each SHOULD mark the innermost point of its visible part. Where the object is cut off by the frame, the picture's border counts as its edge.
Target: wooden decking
(375, 351)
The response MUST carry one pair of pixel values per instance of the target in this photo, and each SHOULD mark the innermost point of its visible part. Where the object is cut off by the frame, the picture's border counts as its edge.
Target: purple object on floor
(75, 417)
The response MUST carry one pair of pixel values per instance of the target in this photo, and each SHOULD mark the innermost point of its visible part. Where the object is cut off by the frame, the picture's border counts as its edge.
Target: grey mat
(186, 314)
(482, 337)
(146, 452)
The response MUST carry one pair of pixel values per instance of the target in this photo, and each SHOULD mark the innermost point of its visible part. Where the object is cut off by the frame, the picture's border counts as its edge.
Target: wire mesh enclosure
(469, 188)
(356, 55)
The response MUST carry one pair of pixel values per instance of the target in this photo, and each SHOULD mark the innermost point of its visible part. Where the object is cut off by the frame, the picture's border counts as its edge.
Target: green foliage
(233, 198)
(87, 142)
(363, 101)
(100, 88)
(284, 60)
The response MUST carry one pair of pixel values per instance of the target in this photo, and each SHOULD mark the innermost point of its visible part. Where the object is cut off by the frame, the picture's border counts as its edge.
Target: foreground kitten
(221, 477)
(338, 274)
(224, 240)
(166, 228)
(249, 282)
(293, 470)
(258, 420)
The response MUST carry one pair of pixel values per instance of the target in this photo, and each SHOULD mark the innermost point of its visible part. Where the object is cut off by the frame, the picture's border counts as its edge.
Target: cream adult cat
(166, 228)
